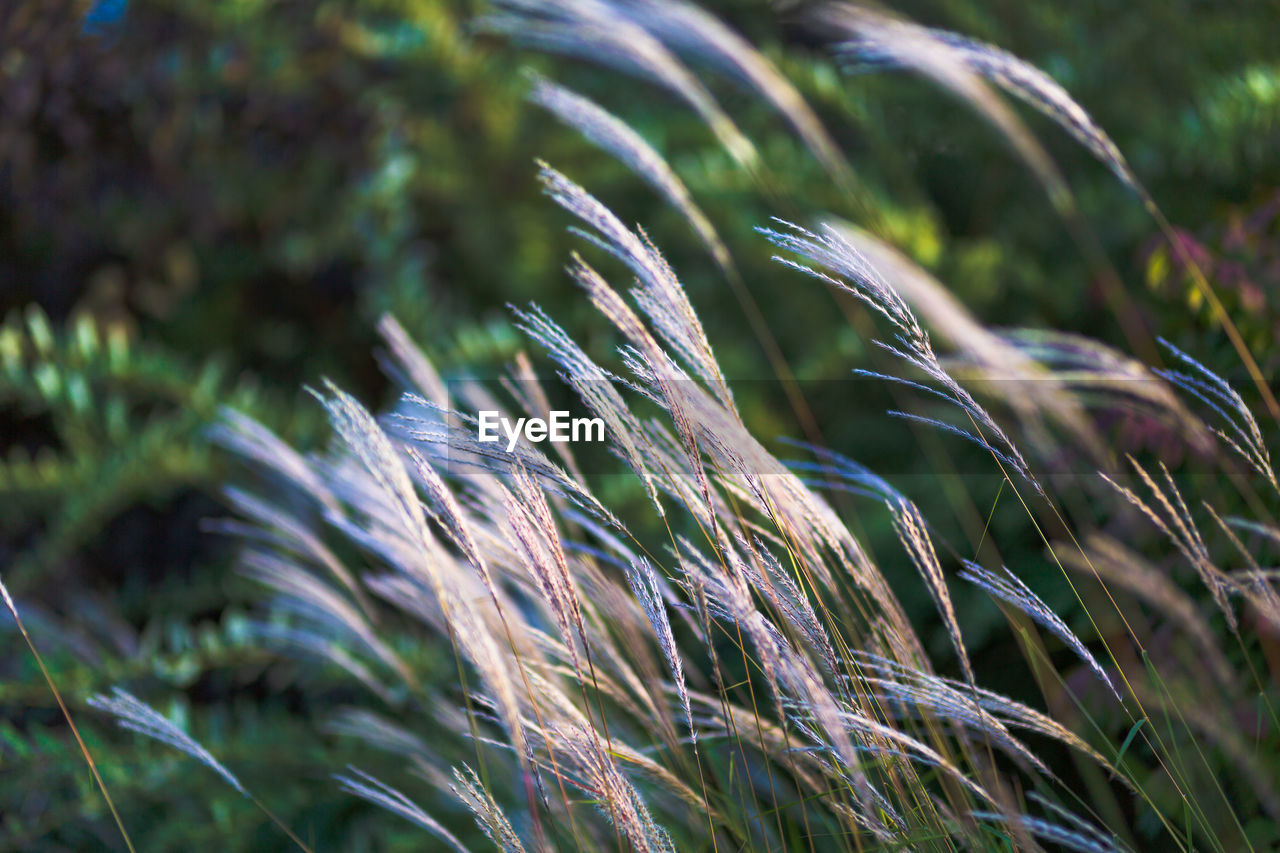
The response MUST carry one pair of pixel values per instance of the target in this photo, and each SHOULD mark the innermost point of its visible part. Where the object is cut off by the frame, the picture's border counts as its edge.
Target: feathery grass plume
(669, 380)
(923, 702)
(524, 386)
(1016, 76)
(1072, 820)
(1030, 390)
(320, 603)
(618, 138)
(414, 549)
(1100, 376)
(371, 446)
(648, 591)
(1180, 528)
(748, 472)
(615, 796)
(1245, 438)
(1068, 837)
(728, 597)
(138, 717)
(891, 39)
(380, 794)
(1009, 588)
(881, 738)
(691, 30)
(845, 251)
(797, 689)
(913, 533)
(449, 440)
(381, 732)
(286, 533)
(903, 692)
(451, 517)
(418, 371)
(660, 295)
(1128, 570)
(595, 387)
(251, 440)
(593, 30)
(1005, 712)
(1254, 583)
(488, 814)
(539, 541)
(777, 586)
(662, 298)
(319, 642)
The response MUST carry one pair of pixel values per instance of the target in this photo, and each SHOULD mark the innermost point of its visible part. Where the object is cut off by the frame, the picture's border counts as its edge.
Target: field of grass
(934, 511)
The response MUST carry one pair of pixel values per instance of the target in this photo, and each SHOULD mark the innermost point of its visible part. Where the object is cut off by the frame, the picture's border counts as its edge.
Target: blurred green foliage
(212, 203)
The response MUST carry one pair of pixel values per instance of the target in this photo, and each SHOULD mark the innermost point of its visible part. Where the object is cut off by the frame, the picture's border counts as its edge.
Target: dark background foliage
(207, 204)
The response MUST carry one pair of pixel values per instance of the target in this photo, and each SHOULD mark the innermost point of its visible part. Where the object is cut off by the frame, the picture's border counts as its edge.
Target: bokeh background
(208, 204)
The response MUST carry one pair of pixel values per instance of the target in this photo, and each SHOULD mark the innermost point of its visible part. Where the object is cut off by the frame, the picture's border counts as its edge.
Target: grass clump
(728, 664)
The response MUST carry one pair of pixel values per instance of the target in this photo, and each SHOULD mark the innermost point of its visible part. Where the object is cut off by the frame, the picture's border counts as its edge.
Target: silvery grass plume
(1006, 373)
(1009, 588)
(644, 583)
(1254, 583)
(468, 788)
(408, 363)
(853, 272)
(524, 387)
(775, 584)
(366, 787)
(895, 43)
(646, 37)
(663, 299)
(595, 388)
(593, 30)
(139, 717)
(887, 38)
(659, 295)
(910, 526)
(1171, 516)
(383, 733)
(617, 799)
(287, 534)
(913, 533)
(618, 138)
(251, 440)
(701, 36)
(1242, 434)
(1077, 836)
(1100, 377)
(989, 715)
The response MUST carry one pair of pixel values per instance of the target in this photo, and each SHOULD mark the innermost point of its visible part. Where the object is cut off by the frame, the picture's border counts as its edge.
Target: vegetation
(1031, 605)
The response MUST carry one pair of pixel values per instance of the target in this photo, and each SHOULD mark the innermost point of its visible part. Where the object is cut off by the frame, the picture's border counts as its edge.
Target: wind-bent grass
(755, 682)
